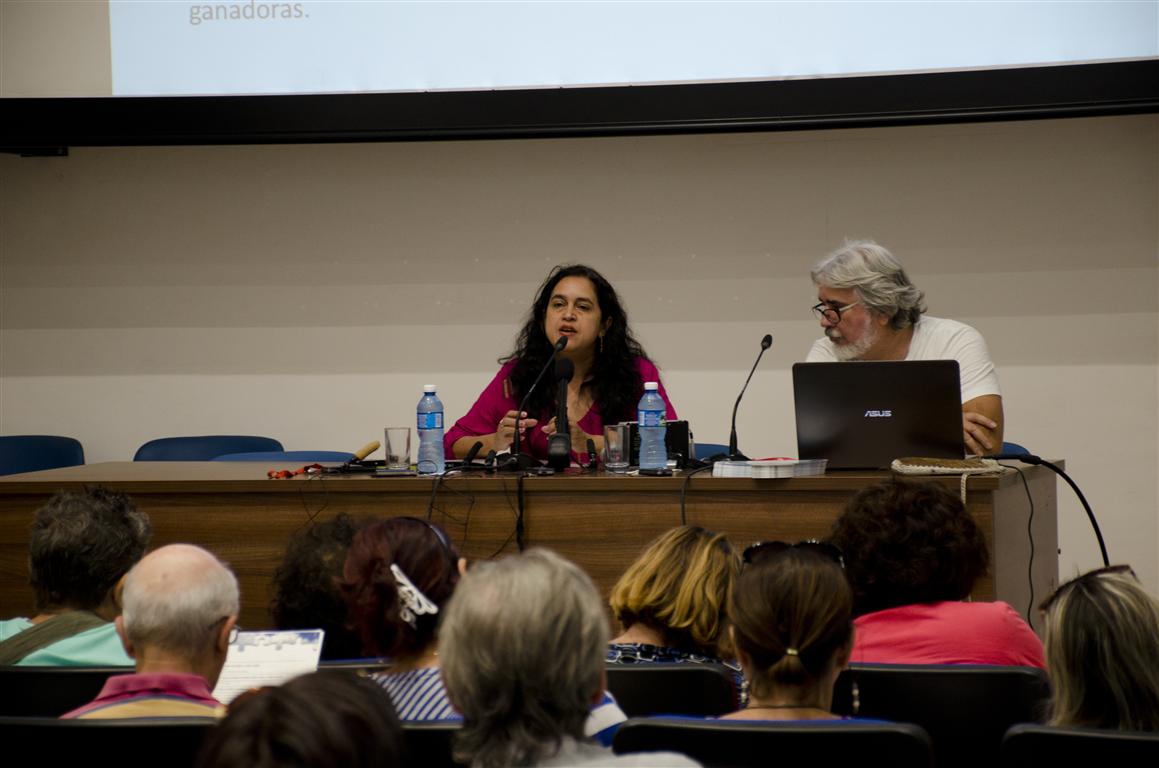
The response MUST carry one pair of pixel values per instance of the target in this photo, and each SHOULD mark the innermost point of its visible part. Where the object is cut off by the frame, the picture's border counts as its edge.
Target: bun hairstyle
(791, 613)
(383, 606)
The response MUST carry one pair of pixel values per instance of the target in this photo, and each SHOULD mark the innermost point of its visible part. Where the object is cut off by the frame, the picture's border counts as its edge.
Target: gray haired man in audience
(180, 607)
(522, 648)
(80, 547)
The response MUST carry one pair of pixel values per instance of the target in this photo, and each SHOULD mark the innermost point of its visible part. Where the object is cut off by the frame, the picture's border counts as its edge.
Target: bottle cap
(651, 386)
(430, 389)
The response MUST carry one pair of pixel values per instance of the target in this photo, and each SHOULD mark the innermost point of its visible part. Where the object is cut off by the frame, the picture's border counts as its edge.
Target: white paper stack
(770, 468)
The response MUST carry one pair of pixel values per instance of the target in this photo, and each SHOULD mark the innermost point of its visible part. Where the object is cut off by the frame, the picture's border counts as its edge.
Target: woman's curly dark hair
(616, 383)
(906, 543)
(306, 592)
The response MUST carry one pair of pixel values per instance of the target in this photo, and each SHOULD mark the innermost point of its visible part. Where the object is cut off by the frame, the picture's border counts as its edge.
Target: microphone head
(559, 345)
(564, 368)
(767, 341)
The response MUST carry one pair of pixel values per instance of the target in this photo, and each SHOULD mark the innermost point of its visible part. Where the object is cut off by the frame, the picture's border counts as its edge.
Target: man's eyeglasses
(763, 550)
(831, 313)
(1086, 578)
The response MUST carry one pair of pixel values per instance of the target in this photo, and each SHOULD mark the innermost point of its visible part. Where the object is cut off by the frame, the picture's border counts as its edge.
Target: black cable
(434, 492)
(519, 517)
(1030, 537)
(684, 491)
(1086, 508)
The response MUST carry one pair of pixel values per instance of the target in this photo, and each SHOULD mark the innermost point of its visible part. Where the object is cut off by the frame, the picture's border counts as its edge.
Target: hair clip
(413, 602)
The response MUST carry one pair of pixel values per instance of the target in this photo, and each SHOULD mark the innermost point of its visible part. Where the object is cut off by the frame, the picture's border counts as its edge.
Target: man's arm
(982, 424)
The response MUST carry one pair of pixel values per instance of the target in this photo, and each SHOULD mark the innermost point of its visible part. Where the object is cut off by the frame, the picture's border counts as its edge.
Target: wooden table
(599, 521)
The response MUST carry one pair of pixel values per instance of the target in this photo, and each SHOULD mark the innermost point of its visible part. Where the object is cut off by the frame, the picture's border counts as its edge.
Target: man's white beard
(854, 350)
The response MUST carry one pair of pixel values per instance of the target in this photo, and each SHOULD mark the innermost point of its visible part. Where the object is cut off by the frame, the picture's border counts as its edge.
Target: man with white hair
(522, 648)
(180, 607)
(870, 310)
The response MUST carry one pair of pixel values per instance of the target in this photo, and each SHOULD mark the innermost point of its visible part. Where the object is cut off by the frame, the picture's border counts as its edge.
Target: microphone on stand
(733, 453)
(518, 460)
(559, 446)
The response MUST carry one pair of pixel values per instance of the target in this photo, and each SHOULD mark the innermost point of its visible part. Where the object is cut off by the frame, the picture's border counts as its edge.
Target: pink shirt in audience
(949, 632)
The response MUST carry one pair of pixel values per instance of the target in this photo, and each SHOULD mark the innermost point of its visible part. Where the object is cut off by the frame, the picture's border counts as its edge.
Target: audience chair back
(657, 688)
(751, 743)
(32, 453)
(51, 691)
(202, 448)
(1047, 745)
(431, 744)
(172, 742)
(965, 708)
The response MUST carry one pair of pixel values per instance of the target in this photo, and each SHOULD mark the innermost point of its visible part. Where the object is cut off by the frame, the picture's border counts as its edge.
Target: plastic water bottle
(431, 459)
(652, 417)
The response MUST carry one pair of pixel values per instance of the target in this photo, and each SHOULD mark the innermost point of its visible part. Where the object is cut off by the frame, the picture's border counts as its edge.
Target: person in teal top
(80, 547)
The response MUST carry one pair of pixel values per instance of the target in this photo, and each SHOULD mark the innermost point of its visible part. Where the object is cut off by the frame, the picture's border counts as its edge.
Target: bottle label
(651, 418)
(431, 420)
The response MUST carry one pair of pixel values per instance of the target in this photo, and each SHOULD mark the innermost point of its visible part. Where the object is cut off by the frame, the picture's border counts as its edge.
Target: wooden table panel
(600, 521)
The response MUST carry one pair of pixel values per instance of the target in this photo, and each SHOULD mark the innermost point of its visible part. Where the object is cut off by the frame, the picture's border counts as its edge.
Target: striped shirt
(418, 694)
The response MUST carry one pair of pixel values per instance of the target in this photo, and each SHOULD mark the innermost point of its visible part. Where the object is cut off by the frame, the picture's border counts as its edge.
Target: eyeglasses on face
(763, 550)
(1085, 579)
(831, 313)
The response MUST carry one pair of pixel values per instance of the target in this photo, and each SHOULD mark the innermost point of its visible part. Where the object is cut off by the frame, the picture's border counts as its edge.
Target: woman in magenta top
(610, 371)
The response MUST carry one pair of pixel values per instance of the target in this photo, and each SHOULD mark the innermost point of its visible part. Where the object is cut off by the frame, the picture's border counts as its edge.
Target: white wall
(307, 292)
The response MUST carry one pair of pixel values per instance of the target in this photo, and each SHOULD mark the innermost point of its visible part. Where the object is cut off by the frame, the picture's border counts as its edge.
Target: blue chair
(707, 450)
(287, 457)
(32, 453)
(202, 448)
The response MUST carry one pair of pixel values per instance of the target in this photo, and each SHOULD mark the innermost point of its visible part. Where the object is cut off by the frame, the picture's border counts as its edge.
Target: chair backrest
(297, 458)
(32, 453)
(430, 744)
(1047, 745)
(744, 743)
(123, 743)
(707, 450)
(202, 448)
(965, 708)
(664, 688)
(50, 691)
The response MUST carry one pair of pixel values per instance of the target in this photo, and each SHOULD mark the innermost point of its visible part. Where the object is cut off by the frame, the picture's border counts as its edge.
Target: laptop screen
(863, 415)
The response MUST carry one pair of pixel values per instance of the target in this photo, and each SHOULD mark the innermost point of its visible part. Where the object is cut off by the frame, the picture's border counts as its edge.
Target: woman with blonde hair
(1102, 652)
(672, 601)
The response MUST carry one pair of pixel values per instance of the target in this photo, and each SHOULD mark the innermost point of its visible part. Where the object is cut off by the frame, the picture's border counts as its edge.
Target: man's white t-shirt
(938, 339)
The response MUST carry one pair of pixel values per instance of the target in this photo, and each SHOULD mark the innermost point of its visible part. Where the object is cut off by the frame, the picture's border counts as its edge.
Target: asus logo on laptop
(878, 414)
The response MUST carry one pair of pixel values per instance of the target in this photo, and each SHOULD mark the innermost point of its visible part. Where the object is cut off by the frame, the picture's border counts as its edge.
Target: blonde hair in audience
(680, 585)
(1102, 652)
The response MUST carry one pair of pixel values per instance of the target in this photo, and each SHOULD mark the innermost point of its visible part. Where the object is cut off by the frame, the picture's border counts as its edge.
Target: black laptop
(863, 415)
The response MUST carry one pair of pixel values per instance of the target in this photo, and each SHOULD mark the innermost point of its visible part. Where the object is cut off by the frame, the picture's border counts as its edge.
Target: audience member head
(1102, 652)
(80, 546)
(398, 575)
(679, 586)
(906, 543)
(306, 586)
(878, 279)
(522, 647)
(792, 623)
(180, 605)
(315, 721)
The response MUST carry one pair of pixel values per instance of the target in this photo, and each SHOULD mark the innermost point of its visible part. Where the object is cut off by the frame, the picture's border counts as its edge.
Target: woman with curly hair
(577, 303)
(672, 601)
(912, 555)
